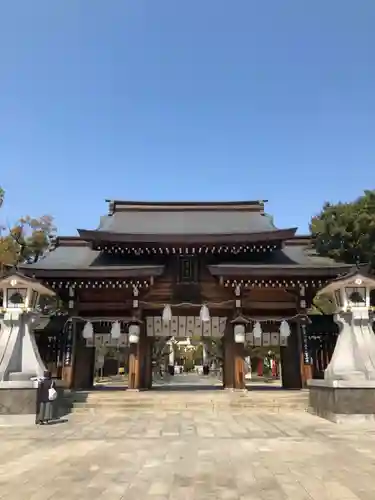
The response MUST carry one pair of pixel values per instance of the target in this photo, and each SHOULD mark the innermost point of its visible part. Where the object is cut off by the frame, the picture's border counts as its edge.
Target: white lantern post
(354, 354)
(352, 366)
(20, 360)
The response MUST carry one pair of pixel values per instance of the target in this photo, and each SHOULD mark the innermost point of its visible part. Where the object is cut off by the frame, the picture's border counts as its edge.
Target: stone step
(134, 406)
(131, 401)
(146, 404)
(156, 404)
(125, 411)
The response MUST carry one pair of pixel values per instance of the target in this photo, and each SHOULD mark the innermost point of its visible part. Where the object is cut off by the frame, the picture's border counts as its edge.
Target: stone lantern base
(18, 397)
(342, 401)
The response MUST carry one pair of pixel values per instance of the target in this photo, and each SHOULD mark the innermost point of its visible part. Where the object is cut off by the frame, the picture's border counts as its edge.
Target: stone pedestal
(18, 397)
(342, 401)
(347, 392)
(21, 398)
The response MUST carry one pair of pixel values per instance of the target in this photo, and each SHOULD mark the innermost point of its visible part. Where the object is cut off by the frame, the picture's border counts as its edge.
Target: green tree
(26, 241)
(322, 305)
(346, 231)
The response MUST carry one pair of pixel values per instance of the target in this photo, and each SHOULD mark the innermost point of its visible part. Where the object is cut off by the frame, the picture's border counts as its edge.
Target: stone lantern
(19, 356)
(350, 375)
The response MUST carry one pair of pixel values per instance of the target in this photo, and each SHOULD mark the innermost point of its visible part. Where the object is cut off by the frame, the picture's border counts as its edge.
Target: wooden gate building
(228, 256)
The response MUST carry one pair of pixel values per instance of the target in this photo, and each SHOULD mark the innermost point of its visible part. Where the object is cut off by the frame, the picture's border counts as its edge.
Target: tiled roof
(77, 260)
(186, 222)
(291, 259)
(77, 257)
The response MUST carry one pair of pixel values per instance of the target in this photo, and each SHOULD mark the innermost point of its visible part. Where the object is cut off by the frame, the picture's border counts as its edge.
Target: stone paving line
(144, 455)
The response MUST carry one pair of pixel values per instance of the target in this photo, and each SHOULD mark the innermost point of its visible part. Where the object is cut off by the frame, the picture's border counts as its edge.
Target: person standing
(46, 396)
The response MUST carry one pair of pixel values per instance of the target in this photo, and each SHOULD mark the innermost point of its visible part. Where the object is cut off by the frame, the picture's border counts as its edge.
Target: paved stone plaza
(190, 455)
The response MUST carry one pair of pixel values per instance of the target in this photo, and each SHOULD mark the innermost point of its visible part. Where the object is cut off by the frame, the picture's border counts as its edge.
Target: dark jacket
(44, 386)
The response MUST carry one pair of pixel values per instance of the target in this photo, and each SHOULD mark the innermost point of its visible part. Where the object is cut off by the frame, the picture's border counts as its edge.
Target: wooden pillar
(290, 360)
(140, 376)
(306, 367)
(69, 354)
(233, 363)
(133, 361)
(305, 358)
(83, 361)
(69, 351)
(239, 366)
(228, 359)
(148, 363)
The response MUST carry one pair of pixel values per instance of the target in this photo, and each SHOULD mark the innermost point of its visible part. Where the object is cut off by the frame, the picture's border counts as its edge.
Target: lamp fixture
(257, 331)
(88, 331)
(134, 332)
(116, 330)
(284, 329)
(167, 314)
(204, 314)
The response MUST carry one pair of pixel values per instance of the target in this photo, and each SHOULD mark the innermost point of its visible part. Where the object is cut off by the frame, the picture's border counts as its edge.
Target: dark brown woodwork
(133, 366)
(253, 298)
(164, 290)
(67, 376)
(239, 366)
(84, 363)
(233, 361)
(290, 360)
(148, 363)
(140, 376)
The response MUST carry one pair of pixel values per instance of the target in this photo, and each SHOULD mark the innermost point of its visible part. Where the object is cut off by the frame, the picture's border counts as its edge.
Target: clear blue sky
(185, 100)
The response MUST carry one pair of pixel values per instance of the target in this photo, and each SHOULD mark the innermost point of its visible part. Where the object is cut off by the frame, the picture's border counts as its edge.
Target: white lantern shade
(88, 331)
(116, 330)
(350, 291)
(239, 333)
(21, 292)
(356, 296)
(167, 314)
(134, 331)
(204, 314)
(257, 331)
(284, 329)
(16, 298)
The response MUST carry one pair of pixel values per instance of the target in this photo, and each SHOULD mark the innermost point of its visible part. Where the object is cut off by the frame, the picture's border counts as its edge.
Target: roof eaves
(141, 238)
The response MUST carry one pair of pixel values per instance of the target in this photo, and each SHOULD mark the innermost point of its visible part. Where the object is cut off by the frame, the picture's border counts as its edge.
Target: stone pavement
(189, 455)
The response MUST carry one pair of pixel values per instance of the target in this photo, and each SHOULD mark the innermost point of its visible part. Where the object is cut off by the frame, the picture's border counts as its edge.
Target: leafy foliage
(322, 305)
(346, 231)
(26, 241)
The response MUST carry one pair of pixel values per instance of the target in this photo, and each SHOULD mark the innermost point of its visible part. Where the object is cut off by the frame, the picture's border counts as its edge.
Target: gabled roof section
(19, 280)
(297, 258)
(186, 222)
(355, 276)
(73, 257)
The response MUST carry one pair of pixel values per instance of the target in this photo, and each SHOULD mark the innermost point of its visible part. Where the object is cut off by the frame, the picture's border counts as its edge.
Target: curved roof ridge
(125, 205)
